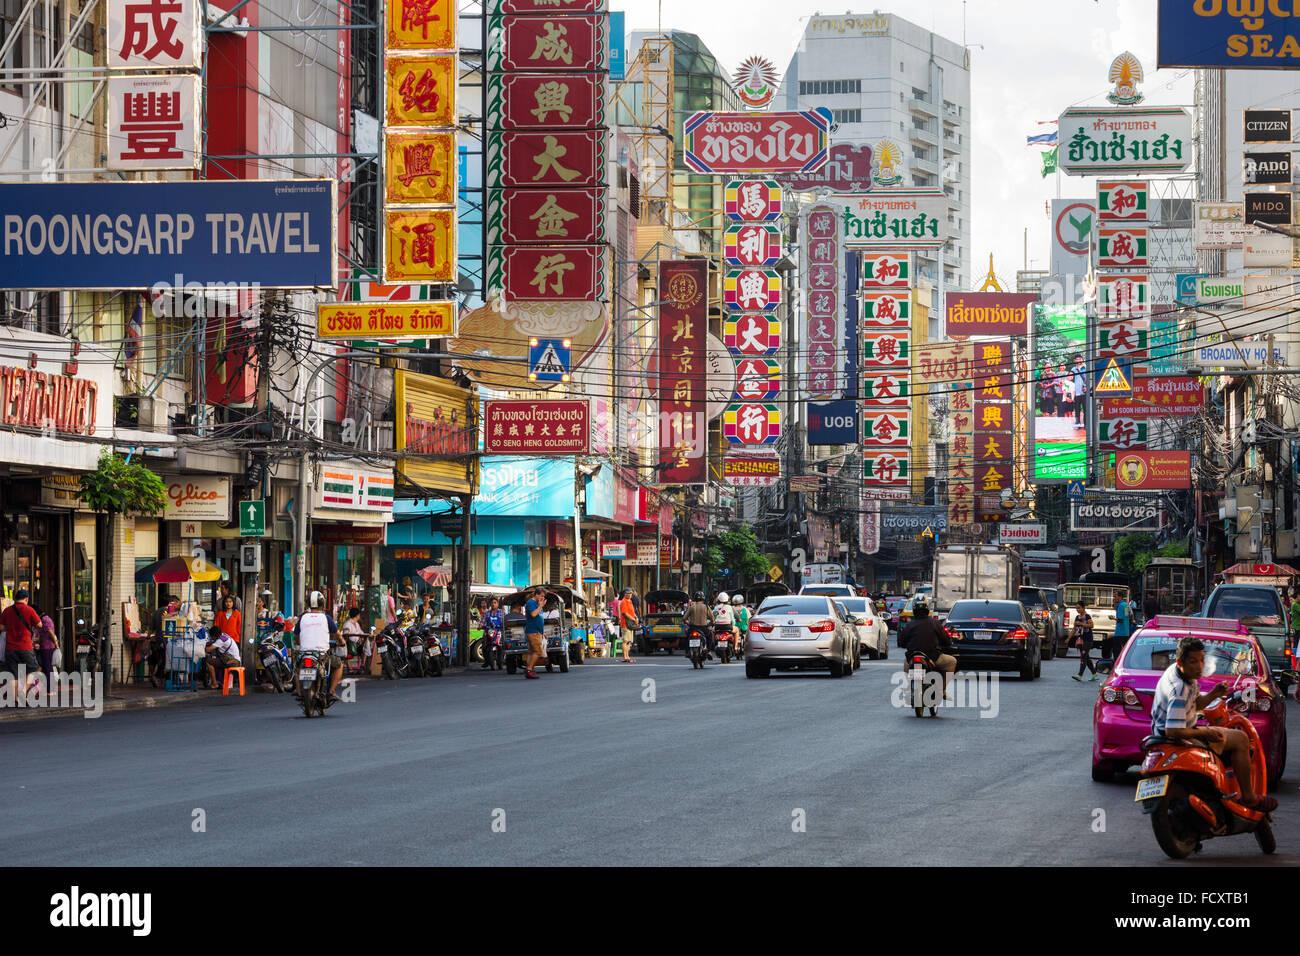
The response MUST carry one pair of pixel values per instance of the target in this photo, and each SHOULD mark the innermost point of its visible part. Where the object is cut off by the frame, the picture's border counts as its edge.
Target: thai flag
(134, 329)
(1042, 139)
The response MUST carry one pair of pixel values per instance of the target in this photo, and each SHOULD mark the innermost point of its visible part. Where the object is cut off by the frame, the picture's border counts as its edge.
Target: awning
(1263, 570)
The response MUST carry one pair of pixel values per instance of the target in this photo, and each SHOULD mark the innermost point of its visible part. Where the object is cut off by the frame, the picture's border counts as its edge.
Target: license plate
(695, 643)
(383, 648)
(983, 635)
(417, 650)
(1152, 787)
(268, 661)
(792, 633)
(83, 650)
(307, 674)
(435, 651)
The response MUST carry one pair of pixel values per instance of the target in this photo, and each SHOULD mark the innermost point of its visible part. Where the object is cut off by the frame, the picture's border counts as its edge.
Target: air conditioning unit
(1266, 506)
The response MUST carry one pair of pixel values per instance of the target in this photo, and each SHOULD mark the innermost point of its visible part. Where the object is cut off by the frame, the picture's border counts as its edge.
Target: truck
(1045, 569)
(966, 571)
(1099, 600)
(822, 572)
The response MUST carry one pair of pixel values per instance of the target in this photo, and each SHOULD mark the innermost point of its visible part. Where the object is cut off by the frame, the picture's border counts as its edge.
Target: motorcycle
(415, 649)
(313, 678)
(276, 664)
(435, 654)
(723, 634)
(87, 648)
(494, 655)
(390, 646)
(697, 645)
(926, 690)
(1190, 793)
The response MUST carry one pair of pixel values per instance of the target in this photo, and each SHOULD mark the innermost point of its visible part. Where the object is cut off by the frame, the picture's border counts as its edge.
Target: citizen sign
(1115, 515)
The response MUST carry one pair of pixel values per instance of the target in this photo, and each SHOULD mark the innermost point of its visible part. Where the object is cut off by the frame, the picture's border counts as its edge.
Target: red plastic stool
(227, 681)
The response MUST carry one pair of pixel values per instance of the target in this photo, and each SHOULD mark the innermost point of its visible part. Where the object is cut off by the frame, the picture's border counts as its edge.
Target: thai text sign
(120, 235)
(989, 313)
(757, 142)
(1115, 514)
(1103, 141)
(1022, 533)
(387, 320)
(1158, 397)
(1226, 33)
(1136, 470)
(894, 219)
(536, 428)
(848, 170)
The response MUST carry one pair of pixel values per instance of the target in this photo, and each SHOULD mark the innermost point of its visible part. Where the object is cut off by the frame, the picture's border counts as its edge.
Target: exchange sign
(757, 142)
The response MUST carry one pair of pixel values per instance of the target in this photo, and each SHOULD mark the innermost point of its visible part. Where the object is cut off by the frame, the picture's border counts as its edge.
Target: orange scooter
(1192, 795)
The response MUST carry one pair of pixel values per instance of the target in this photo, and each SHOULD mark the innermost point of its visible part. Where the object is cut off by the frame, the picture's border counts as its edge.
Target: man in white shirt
(222, 650)
(315, 632)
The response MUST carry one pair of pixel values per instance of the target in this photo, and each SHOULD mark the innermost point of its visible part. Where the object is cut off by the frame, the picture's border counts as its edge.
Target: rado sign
(1115, 514)
(1266, 169)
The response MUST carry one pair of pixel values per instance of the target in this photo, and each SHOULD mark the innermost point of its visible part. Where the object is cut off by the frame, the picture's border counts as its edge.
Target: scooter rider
(1173, 715)
(698, 615)
(722, 615)
(316, 631)
(925, 635)
(742, 616)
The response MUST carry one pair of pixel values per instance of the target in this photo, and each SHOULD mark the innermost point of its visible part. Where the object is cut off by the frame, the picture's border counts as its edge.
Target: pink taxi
(1122, 714)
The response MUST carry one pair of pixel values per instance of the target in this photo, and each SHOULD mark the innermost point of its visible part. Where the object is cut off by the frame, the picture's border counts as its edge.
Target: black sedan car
(995, 635)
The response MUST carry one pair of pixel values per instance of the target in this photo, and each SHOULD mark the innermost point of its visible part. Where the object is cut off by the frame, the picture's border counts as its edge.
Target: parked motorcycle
(87, 648)
(435, 653)
(275, 661)
(724, 635)
(313, 678)
(415, 651)
(697, 646)
(390, 645)
(1191, 794)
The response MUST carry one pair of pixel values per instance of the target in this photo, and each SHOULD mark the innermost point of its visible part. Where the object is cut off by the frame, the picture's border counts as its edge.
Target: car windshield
(1247, 606)
(895, 603)
(794, 605)
(856, 605)
(1155, 652)
(1004, 611)
(1093, 595)
(1030, 597)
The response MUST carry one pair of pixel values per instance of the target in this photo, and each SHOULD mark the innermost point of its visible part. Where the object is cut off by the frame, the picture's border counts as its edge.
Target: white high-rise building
(884, 78)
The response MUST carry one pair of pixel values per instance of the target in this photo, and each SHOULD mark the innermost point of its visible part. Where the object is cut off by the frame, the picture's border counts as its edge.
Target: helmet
(316, 600)
(920, 608)
(699, 595)
(722, 597)
(737, 599)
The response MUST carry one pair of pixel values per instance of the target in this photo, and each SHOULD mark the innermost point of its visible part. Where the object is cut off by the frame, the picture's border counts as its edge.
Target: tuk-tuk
(576, 617)
(558, 612)
(665, 626)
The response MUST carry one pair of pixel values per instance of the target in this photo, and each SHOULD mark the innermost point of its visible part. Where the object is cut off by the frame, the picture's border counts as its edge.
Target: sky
(1030, 59)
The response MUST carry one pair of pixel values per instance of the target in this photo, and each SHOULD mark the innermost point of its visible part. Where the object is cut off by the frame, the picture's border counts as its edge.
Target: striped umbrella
(180, 570)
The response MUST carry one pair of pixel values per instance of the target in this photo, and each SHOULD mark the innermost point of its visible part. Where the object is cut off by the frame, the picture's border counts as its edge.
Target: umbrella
(436, 575)
(179, 570)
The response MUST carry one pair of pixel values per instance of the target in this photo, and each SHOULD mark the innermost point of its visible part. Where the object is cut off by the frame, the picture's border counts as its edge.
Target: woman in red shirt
(229, 621)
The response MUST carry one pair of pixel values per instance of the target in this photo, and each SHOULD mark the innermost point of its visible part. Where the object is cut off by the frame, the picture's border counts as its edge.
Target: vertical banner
(868, 525)
(683, 327)
(823, 329)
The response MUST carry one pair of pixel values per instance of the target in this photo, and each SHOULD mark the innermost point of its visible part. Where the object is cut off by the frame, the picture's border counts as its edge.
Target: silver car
(873, 629)
(796, 632)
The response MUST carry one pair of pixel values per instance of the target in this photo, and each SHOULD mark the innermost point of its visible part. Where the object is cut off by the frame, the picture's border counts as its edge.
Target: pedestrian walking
(627, 622)
(1123, 628)
(534, 631)
(20, 622)
(1083, 641)
(49, 645)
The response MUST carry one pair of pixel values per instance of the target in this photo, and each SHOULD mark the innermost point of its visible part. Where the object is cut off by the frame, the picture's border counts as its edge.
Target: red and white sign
(547, 101)
(1122, 202)
(891, 427)
(560, 158)
(886, 349)
(565, 43)
(548, 216)
(613, 550)
(1176, 395)
(757, 142)
(752, 200)
(868, 525)
(886, 270)
(824, 323)
(1022, 533)
(758, 379)
(749, 333)
(752, 244)
(536, 428)
(1123, 295)
(1123, 248)
(153, 34)
(751, 423)
(751, 290)
(885, 467)
(555, 273)
(153, 122)
(197, 498)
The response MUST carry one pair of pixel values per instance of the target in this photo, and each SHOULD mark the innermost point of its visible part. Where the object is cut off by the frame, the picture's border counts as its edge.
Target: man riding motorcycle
(741, 613)
(698, 615)
(924, 635)
(722, 614)
(316, 632)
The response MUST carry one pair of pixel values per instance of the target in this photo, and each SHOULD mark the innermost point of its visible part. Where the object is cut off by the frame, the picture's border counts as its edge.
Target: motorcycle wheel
(388, 669)
(276, 679)
(1264, 837)
(564, 663)
(1175, 845)
(511, 665)
(437, 666)
(308, 702)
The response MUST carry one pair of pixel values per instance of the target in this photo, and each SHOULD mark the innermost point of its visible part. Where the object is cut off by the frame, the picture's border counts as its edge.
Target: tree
(115, 487)
(1133, 553)
(737, 550)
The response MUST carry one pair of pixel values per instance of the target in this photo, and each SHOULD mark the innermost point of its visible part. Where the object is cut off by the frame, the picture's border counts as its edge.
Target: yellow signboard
(420, 168)
(385, 320)
(419, 245)
(421, 25)
(437, 428)
(422, 90)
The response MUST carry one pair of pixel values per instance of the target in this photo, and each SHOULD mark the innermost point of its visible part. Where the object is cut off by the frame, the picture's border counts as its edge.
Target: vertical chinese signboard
(419, 244)
(949, 369)
(683, 329)
(545, 150)
(1124, 307)
(153, 118)
(887, 382)
(823, 328)
(992, 426)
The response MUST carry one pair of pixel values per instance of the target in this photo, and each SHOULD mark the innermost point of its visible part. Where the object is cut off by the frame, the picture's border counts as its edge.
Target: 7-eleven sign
(1122, 248)
(885, 427)
(1125, 201)
(885, 466)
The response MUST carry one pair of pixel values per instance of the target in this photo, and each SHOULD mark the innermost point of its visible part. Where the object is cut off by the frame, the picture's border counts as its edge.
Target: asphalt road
(581, 769)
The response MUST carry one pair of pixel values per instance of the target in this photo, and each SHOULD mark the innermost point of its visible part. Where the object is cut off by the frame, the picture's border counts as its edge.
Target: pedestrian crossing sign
(1113, 380)
(548, 360)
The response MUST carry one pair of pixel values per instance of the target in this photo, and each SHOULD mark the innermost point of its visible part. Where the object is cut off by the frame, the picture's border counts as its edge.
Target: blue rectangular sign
(832, 423)
(617, 45)
(1226, 33)
(134, 235)
(1186, 286)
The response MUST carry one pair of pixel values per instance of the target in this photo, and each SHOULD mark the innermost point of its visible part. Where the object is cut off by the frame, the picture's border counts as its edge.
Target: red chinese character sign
(521, 216)
(559, 273)
(421, 25)
(683, 327)
(153, 122)
(757, 143)
(823, 313)
(751, 423)
(527, 101)
(886, 426)
(420, 245)
(886, 270)
(752, 200)
(751, 290)
(758, 379)
(551, 159)
(751, 333)
(885, 467)
(421, 168)
(562, 43)
(752, 244)
(421, 90)
(153, 34)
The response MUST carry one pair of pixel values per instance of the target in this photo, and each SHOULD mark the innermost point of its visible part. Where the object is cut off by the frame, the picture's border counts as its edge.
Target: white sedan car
(872, 626)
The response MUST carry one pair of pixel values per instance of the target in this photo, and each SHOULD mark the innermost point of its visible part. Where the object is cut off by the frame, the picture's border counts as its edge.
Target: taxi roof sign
(1112, 380)
(1178, 622)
